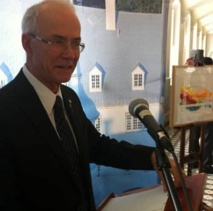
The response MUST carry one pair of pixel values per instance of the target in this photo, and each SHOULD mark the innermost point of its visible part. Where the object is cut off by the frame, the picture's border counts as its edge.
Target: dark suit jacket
(34, 173)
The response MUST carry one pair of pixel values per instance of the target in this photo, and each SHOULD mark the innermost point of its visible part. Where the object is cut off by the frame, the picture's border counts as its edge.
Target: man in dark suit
(35, 172)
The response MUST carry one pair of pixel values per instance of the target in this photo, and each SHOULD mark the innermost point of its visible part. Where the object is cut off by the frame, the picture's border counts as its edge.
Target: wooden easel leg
(191, 149)
(202, 128)
(182, 146)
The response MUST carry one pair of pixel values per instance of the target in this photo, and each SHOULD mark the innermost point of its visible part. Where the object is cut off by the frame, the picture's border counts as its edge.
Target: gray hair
(29, 21)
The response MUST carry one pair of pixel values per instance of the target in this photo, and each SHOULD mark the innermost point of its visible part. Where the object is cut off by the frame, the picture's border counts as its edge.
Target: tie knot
(58, 102)
(58, 106)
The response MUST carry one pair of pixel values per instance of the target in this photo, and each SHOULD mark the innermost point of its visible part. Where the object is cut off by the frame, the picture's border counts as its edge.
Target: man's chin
(66, 79)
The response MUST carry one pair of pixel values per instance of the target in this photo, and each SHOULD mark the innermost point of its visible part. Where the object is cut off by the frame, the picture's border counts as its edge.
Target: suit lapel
(78, 122)
(33, 108)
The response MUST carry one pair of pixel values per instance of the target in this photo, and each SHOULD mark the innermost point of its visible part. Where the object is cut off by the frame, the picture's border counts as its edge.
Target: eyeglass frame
(65, 46)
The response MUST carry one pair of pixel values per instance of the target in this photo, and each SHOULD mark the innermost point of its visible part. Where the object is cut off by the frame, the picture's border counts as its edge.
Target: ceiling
(201, 12)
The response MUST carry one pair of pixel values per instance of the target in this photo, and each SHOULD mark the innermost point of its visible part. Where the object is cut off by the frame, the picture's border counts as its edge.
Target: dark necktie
(69, 146)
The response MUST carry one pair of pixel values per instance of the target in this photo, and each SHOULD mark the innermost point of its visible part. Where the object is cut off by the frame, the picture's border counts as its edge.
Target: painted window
(138, 79)
(98, 124)
(95, 77)
(132, 123)
(95, 81)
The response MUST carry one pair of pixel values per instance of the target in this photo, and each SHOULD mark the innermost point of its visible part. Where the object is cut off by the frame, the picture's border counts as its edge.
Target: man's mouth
(64, 67)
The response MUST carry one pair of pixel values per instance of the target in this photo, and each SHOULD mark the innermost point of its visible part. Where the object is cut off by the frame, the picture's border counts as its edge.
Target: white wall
(113, 118)
(12, 53)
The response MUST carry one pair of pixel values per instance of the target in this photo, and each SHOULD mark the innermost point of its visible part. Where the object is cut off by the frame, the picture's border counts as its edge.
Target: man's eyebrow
(77, 39)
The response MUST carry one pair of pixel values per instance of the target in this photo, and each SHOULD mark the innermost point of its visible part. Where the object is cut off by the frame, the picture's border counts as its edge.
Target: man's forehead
(57, 17)
(54, 9)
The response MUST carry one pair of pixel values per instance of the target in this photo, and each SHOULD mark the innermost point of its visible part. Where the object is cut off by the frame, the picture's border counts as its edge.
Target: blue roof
(137, 40)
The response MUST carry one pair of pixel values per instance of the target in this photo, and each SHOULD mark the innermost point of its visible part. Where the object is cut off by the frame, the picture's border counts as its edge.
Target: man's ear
(26, 43)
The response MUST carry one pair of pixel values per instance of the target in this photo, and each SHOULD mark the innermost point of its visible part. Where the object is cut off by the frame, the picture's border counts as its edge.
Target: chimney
(110, 14)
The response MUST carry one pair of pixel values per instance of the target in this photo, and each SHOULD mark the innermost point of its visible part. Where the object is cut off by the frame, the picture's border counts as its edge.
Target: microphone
(140, 108)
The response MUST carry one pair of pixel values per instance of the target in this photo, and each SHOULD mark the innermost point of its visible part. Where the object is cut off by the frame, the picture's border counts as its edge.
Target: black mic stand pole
(164, 166)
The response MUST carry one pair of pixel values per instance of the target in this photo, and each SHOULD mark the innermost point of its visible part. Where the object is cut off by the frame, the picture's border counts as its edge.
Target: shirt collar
(46, 96)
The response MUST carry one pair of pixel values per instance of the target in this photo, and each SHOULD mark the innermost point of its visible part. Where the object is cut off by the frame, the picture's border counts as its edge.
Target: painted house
(122, 61)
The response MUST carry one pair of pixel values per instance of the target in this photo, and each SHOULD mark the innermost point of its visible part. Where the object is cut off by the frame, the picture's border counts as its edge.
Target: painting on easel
(191, 95)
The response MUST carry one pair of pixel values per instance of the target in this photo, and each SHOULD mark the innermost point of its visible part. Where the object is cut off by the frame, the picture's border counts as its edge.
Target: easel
(192, 156)
(180, 111)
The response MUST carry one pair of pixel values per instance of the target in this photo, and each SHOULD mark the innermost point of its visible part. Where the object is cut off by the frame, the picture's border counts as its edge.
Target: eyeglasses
(61, 45)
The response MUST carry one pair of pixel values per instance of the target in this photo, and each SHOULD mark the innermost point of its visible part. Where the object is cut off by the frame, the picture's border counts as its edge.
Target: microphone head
(135, 104)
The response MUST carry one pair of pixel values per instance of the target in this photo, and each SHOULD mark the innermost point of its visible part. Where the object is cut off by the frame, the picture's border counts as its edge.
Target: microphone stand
(164, 165)
(170, 148)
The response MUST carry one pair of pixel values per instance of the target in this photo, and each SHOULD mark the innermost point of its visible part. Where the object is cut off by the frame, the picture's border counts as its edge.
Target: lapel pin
(70, 103)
